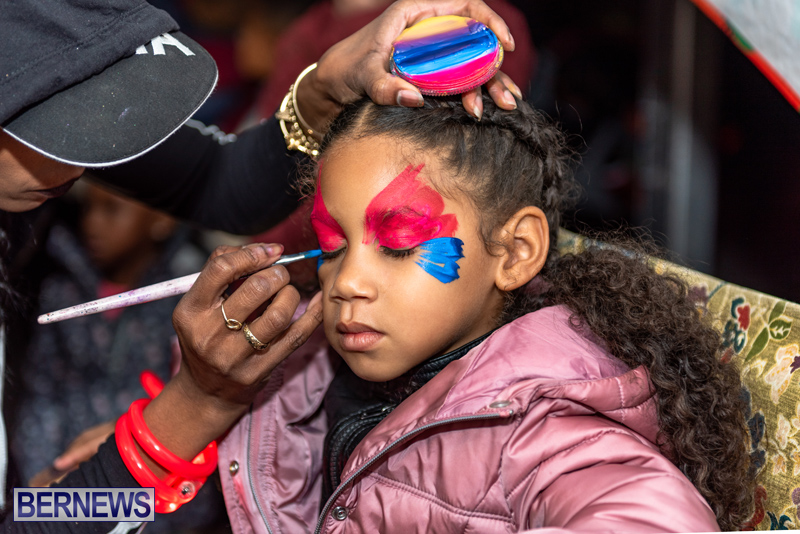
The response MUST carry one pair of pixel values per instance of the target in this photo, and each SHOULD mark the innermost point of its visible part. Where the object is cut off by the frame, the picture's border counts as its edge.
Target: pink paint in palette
(447, 55)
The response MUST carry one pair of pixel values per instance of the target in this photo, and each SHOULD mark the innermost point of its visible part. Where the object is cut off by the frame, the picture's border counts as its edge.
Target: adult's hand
(359, 65)
(81, 449)
(221, 372)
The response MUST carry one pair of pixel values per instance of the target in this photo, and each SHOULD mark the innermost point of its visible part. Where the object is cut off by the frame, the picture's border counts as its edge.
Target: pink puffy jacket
(537, 427)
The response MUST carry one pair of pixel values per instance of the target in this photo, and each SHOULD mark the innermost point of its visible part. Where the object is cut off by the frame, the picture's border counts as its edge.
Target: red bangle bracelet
(168, 498)
(201, 467)
(151, 383)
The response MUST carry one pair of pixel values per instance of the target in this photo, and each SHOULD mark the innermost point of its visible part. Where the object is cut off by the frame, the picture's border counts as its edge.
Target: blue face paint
(439, 257)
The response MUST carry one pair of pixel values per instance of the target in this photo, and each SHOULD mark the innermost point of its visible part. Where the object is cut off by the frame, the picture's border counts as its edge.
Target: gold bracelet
(296, 132)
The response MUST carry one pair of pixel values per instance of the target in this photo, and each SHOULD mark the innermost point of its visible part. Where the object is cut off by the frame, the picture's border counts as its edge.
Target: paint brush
(162, 290)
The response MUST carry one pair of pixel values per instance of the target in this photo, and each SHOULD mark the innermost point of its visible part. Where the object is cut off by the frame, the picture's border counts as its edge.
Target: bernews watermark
(84, 504)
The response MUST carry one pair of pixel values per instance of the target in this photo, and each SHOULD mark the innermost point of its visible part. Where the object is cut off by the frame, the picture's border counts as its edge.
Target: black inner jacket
(355, 406)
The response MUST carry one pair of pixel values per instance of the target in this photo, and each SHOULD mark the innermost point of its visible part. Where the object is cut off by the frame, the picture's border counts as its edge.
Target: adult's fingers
(282, 340)
(84, 446)
(255, 291)
(473, 102)
(408, 12)
(277, 316)
(505, 80)
(300, 330)
(224, 268)
(502, 90)
(388, 90)
(223, 249)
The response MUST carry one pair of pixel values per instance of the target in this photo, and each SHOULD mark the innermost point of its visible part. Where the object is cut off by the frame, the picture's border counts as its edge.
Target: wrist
(186, 419)
(315, 102)
(175, 480)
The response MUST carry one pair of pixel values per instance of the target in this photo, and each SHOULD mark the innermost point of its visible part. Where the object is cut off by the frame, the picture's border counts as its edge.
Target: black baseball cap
(97, 82)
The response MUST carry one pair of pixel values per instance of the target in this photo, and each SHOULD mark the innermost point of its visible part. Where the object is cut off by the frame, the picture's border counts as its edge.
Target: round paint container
(447, 55)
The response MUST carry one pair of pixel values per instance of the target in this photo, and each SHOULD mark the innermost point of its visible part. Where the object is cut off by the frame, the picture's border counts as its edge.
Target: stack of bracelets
(184, 479)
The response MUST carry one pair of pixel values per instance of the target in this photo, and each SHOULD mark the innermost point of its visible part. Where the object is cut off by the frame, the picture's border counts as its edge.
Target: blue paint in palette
(439, 257)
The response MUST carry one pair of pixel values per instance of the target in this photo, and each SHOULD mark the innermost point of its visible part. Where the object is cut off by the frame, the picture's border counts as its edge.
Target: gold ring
(253, 340)
(232, 324)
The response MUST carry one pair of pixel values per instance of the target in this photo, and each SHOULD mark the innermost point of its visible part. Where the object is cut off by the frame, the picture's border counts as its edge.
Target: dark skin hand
(221, 373)
(359, 65)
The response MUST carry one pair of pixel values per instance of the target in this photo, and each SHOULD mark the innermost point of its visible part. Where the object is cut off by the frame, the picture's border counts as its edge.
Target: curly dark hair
(512, 159)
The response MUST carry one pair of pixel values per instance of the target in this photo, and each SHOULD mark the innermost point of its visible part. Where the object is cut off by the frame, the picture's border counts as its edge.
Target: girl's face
(405, 274)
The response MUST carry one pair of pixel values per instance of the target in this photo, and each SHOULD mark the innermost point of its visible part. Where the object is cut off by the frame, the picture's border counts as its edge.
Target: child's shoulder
(549, 343)
(544, 354)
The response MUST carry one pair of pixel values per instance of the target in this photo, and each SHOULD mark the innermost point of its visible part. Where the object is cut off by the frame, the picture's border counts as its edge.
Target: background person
(83, 374)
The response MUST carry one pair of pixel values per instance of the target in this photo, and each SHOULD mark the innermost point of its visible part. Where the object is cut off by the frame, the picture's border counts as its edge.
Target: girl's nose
(355, 276)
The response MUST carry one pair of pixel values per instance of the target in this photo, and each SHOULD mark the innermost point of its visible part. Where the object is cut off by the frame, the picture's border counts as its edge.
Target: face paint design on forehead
(329, 234)
(407, 214)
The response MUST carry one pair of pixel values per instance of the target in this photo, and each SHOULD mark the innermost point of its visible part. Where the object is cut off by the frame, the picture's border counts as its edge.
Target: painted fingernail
(273, 249)
(477, 111)
(508, 98)
(409, 99)
(514, 88)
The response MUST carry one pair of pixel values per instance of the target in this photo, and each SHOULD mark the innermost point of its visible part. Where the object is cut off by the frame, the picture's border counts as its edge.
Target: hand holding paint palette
(447, 55)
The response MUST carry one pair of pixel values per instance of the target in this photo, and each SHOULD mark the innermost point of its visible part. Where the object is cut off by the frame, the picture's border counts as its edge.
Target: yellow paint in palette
(433, 26)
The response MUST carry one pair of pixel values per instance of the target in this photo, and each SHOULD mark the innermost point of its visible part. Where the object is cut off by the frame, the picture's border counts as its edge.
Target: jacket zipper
(386, 449)
(249, 475)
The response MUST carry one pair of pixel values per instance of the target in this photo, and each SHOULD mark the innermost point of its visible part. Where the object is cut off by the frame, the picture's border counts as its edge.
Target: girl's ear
(525, 240)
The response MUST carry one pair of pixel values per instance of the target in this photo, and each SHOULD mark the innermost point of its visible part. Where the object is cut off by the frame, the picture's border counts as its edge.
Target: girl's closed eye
(398, 253)
(325, 256)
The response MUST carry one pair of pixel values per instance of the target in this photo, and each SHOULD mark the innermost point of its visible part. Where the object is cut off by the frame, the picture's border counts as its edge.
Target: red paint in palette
(406, 213)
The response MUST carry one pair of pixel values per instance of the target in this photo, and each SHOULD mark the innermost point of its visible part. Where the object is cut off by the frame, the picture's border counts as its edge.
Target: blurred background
(677, 130)
(681, 133)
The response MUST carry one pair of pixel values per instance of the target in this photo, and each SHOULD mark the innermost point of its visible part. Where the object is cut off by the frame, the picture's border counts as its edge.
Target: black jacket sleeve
(104, 470)
(241, 186)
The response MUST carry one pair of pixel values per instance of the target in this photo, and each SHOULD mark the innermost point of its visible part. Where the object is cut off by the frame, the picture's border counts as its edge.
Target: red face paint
(406, 213)
(329, 233)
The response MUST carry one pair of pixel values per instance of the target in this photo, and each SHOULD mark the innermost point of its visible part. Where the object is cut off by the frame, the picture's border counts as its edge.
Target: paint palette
(447, 55)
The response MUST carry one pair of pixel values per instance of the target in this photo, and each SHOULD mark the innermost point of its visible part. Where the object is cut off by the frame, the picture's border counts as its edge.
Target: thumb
(388, 90)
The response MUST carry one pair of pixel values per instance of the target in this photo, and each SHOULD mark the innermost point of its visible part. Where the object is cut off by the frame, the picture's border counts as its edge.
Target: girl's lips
(357, 337)
(359, 341)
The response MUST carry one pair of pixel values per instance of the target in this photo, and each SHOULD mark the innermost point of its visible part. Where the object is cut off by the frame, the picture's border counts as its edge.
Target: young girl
(487, 384)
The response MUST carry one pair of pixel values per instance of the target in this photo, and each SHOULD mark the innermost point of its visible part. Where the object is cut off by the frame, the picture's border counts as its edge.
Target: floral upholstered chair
(759, 334)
